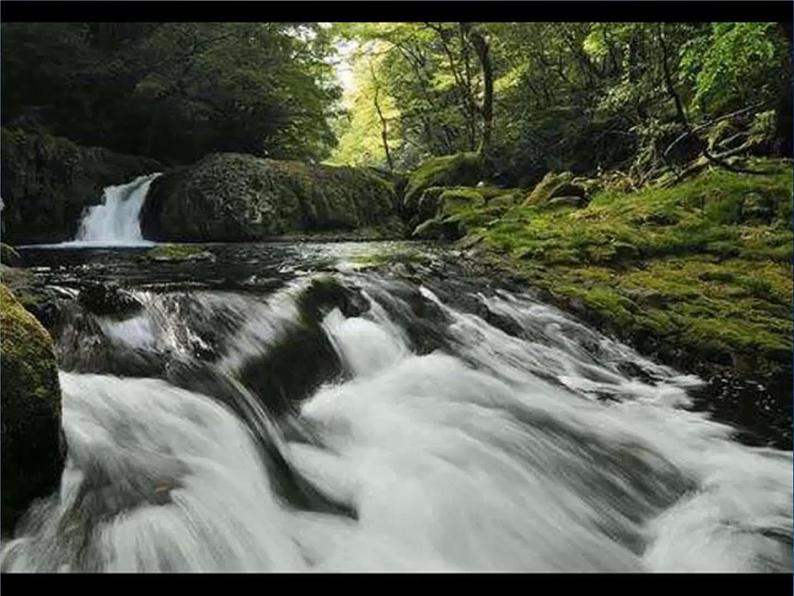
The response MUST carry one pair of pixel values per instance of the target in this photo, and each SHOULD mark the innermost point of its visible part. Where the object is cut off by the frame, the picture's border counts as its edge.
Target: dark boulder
(233, 197)
(108, 300)
(48, 181)
(326, 294)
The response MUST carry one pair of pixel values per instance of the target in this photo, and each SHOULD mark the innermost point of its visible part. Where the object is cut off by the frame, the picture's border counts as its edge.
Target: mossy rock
(233, 197)
(701, 269)
(428, 230)
(456, 199)
(178, 252)
(566, 201)
(568, 189)
(48, 181)
(9, 256)
(504, 200)
(462, 169)
(550, 182)
(33, 447)
(447, 230)
(428, 203)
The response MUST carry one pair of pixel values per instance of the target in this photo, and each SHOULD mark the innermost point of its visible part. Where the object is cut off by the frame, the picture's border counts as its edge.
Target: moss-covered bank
(233, 197)
(697, 272)
(47, 181)
(32, 442)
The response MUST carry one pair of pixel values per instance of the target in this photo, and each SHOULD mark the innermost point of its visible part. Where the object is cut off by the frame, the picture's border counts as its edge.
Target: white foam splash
(468, 462)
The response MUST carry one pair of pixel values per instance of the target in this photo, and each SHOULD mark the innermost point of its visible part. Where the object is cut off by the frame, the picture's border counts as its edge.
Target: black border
(390, 10)
(414, 10)
(603, 583)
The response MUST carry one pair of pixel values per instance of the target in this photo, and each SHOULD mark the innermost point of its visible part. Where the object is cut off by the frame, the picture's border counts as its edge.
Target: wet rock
(292, 369)
(48, 181)
(33, 445)
(326, 294)
(447, 230)
(109, 300)
(172, 253)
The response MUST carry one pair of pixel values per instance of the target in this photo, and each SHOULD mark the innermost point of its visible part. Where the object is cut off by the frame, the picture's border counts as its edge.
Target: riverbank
(697, 275)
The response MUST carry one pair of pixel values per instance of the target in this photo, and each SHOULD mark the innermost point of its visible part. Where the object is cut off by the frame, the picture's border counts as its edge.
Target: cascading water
(455, 429)
(116, 222)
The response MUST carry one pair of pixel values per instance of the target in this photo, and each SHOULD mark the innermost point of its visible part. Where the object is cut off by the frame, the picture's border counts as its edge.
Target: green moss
(178, 252)
(457, 200)
(450, 170)
(232, 197)
(544, 190)
(9, 256)
(32, 449)
(681, 262)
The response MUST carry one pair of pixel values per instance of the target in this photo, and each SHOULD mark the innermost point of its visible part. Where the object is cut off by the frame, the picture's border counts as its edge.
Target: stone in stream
(33, 445)
(108, 300)
(304, 358)
(233, 197)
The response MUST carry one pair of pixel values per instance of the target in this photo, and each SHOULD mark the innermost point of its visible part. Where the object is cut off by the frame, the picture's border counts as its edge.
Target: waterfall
(116, 221)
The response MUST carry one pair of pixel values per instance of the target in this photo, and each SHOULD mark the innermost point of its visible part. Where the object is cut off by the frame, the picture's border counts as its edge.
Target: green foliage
(433, 75)
(174, 91)
(579, 97)
(8, 255)
(360, 141)
(733, 64)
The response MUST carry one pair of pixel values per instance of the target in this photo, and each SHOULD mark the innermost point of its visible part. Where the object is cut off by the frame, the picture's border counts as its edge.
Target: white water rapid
(496, 454)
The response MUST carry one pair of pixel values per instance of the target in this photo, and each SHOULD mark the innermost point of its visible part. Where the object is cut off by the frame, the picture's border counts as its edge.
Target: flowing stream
(285, 408)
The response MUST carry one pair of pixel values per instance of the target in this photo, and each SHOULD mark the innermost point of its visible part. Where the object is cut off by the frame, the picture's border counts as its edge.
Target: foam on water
(495, 455)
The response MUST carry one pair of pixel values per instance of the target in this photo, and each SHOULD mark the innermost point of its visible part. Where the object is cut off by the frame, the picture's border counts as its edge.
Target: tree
(175, 91)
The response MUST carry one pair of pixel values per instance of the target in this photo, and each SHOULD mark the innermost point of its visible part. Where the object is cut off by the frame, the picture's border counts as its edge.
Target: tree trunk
(484, 56)
(384, 128)
(784, 107)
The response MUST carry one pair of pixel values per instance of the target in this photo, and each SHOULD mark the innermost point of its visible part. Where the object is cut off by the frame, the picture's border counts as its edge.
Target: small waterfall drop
(117, 220)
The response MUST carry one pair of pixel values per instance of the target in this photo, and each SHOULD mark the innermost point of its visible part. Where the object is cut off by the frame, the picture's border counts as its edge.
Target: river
(291, 407)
